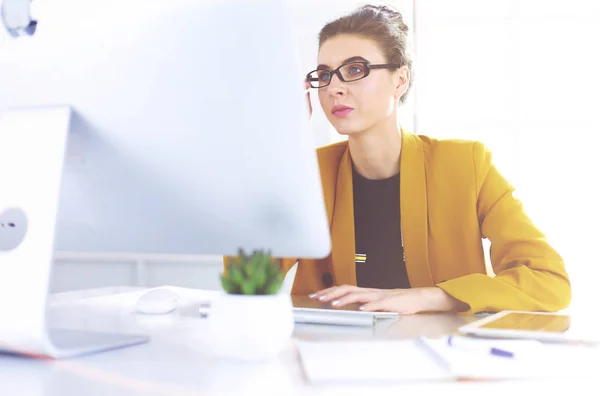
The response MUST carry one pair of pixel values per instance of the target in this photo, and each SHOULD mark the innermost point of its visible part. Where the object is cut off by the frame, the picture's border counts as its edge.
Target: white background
(523, 77)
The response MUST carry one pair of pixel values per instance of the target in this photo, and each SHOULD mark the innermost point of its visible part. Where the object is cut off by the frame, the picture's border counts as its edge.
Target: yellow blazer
(451, 196)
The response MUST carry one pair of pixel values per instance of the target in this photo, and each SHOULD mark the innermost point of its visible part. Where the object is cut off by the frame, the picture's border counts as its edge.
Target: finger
(389, 304)
(319, 293)
(377, 305)
(357, 297)
(334, 293)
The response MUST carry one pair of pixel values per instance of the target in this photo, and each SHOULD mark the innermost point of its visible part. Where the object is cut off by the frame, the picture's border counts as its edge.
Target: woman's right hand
(307, 87)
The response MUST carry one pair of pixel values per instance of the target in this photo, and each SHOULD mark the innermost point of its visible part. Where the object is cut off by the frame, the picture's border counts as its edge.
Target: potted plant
(252, 320)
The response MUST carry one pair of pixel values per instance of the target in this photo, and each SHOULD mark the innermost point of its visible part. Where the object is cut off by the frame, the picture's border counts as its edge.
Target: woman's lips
(341, 111)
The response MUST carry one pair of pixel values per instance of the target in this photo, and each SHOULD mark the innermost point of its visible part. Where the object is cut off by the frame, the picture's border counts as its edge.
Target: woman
(407, 212)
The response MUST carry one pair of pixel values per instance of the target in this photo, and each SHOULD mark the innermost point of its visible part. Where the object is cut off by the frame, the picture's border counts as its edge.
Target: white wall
(523, 77)
(79, 271)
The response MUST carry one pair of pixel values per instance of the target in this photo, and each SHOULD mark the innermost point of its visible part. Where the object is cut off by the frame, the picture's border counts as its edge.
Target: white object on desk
(31, 192)
(435, 359)
(532, 359)
(288, 281)
(157, 302)
(377, 360)
(126, 302)
(250, 327)
(310, 311)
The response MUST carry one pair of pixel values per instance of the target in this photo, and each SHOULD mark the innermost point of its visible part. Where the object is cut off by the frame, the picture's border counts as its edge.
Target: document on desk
(375, 360)
(435, 359)
(515, 359)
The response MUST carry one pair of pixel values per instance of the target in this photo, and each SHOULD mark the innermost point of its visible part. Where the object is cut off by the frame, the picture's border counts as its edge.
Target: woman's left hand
(403, 301)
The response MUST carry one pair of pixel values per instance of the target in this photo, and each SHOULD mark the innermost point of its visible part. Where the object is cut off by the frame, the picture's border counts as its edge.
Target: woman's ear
(402, 80)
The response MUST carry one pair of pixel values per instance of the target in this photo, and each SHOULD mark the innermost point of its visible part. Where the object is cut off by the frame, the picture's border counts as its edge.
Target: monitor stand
(33, 144)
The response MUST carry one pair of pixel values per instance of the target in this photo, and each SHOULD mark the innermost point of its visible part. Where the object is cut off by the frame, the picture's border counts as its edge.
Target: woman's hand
(403, 301)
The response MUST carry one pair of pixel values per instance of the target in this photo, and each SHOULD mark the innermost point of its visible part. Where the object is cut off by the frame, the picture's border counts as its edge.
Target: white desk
(175, 362)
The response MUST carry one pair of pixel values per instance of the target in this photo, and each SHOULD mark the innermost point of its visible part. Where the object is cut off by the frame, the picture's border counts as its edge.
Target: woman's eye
(355, 70)
(324, 76)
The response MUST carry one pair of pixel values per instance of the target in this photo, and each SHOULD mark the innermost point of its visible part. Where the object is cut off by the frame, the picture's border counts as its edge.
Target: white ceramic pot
(250, 328)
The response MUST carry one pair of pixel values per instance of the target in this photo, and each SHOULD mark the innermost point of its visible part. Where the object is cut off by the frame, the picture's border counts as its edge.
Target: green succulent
(253, 274)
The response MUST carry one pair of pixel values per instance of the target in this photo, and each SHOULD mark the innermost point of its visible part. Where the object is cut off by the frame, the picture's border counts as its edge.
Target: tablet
(543, 326)
(307, 310)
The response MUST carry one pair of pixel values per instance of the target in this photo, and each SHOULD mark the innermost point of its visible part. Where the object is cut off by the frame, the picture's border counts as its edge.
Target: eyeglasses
(348, 72)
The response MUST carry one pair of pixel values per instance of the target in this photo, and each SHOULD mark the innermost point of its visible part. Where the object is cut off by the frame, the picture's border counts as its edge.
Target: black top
(379, 253)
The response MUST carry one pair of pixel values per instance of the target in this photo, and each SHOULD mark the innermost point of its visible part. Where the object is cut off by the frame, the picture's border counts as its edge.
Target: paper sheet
(369, 361)
(532, 360)
(432, 359)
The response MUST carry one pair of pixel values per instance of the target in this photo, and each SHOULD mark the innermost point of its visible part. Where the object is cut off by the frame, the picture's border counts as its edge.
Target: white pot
(247, 327)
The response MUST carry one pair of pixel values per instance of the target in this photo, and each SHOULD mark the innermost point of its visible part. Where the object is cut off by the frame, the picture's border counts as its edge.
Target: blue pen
(459, 342)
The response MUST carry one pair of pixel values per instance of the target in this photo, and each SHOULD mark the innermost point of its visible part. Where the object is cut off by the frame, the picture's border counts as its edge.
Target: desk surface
(175, 362)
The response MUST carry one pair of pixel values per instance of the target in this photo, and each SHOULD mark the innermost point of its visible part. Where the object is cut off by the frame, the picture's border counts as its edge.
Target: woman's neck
(376, 153)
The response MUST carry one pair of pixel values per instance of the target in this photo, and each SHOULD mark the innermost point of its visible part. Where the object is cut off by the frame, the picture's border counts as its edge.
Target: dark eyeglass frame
(368, 66)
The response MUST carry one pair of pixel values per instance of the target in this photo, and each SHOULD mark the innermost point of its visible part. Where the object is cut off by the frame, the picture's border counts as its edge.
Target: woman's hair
(381, 24)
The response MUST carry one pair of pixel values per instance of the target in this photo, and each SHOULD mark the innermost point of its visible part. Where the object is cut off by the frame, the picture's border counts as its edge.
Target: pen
(459, 342)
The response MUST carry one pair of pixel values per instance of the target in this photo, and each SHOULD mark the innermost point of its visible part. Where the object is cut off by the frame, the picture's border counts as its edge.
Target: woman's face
(357, 106)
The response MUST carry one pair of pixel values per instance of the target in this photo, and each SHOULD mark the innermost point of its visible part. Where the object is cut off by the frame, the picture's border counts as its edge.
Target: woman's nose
(336, 87)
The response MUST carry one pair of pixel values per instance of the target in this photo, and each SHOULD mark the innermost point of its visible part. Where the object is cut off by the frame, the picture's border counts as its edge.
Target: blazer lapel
(413, 213)
(413, 210)
(342, 227)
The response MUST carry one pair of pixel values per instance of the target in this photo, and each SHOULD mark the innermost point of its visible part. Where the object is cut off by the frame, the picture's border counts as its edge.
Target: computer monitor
(147, 127)
(189, 129)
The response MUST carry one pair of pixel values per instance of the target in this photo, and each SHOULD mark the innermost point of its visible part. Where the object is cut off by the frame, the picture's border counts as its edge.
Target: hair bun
(388, 13)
